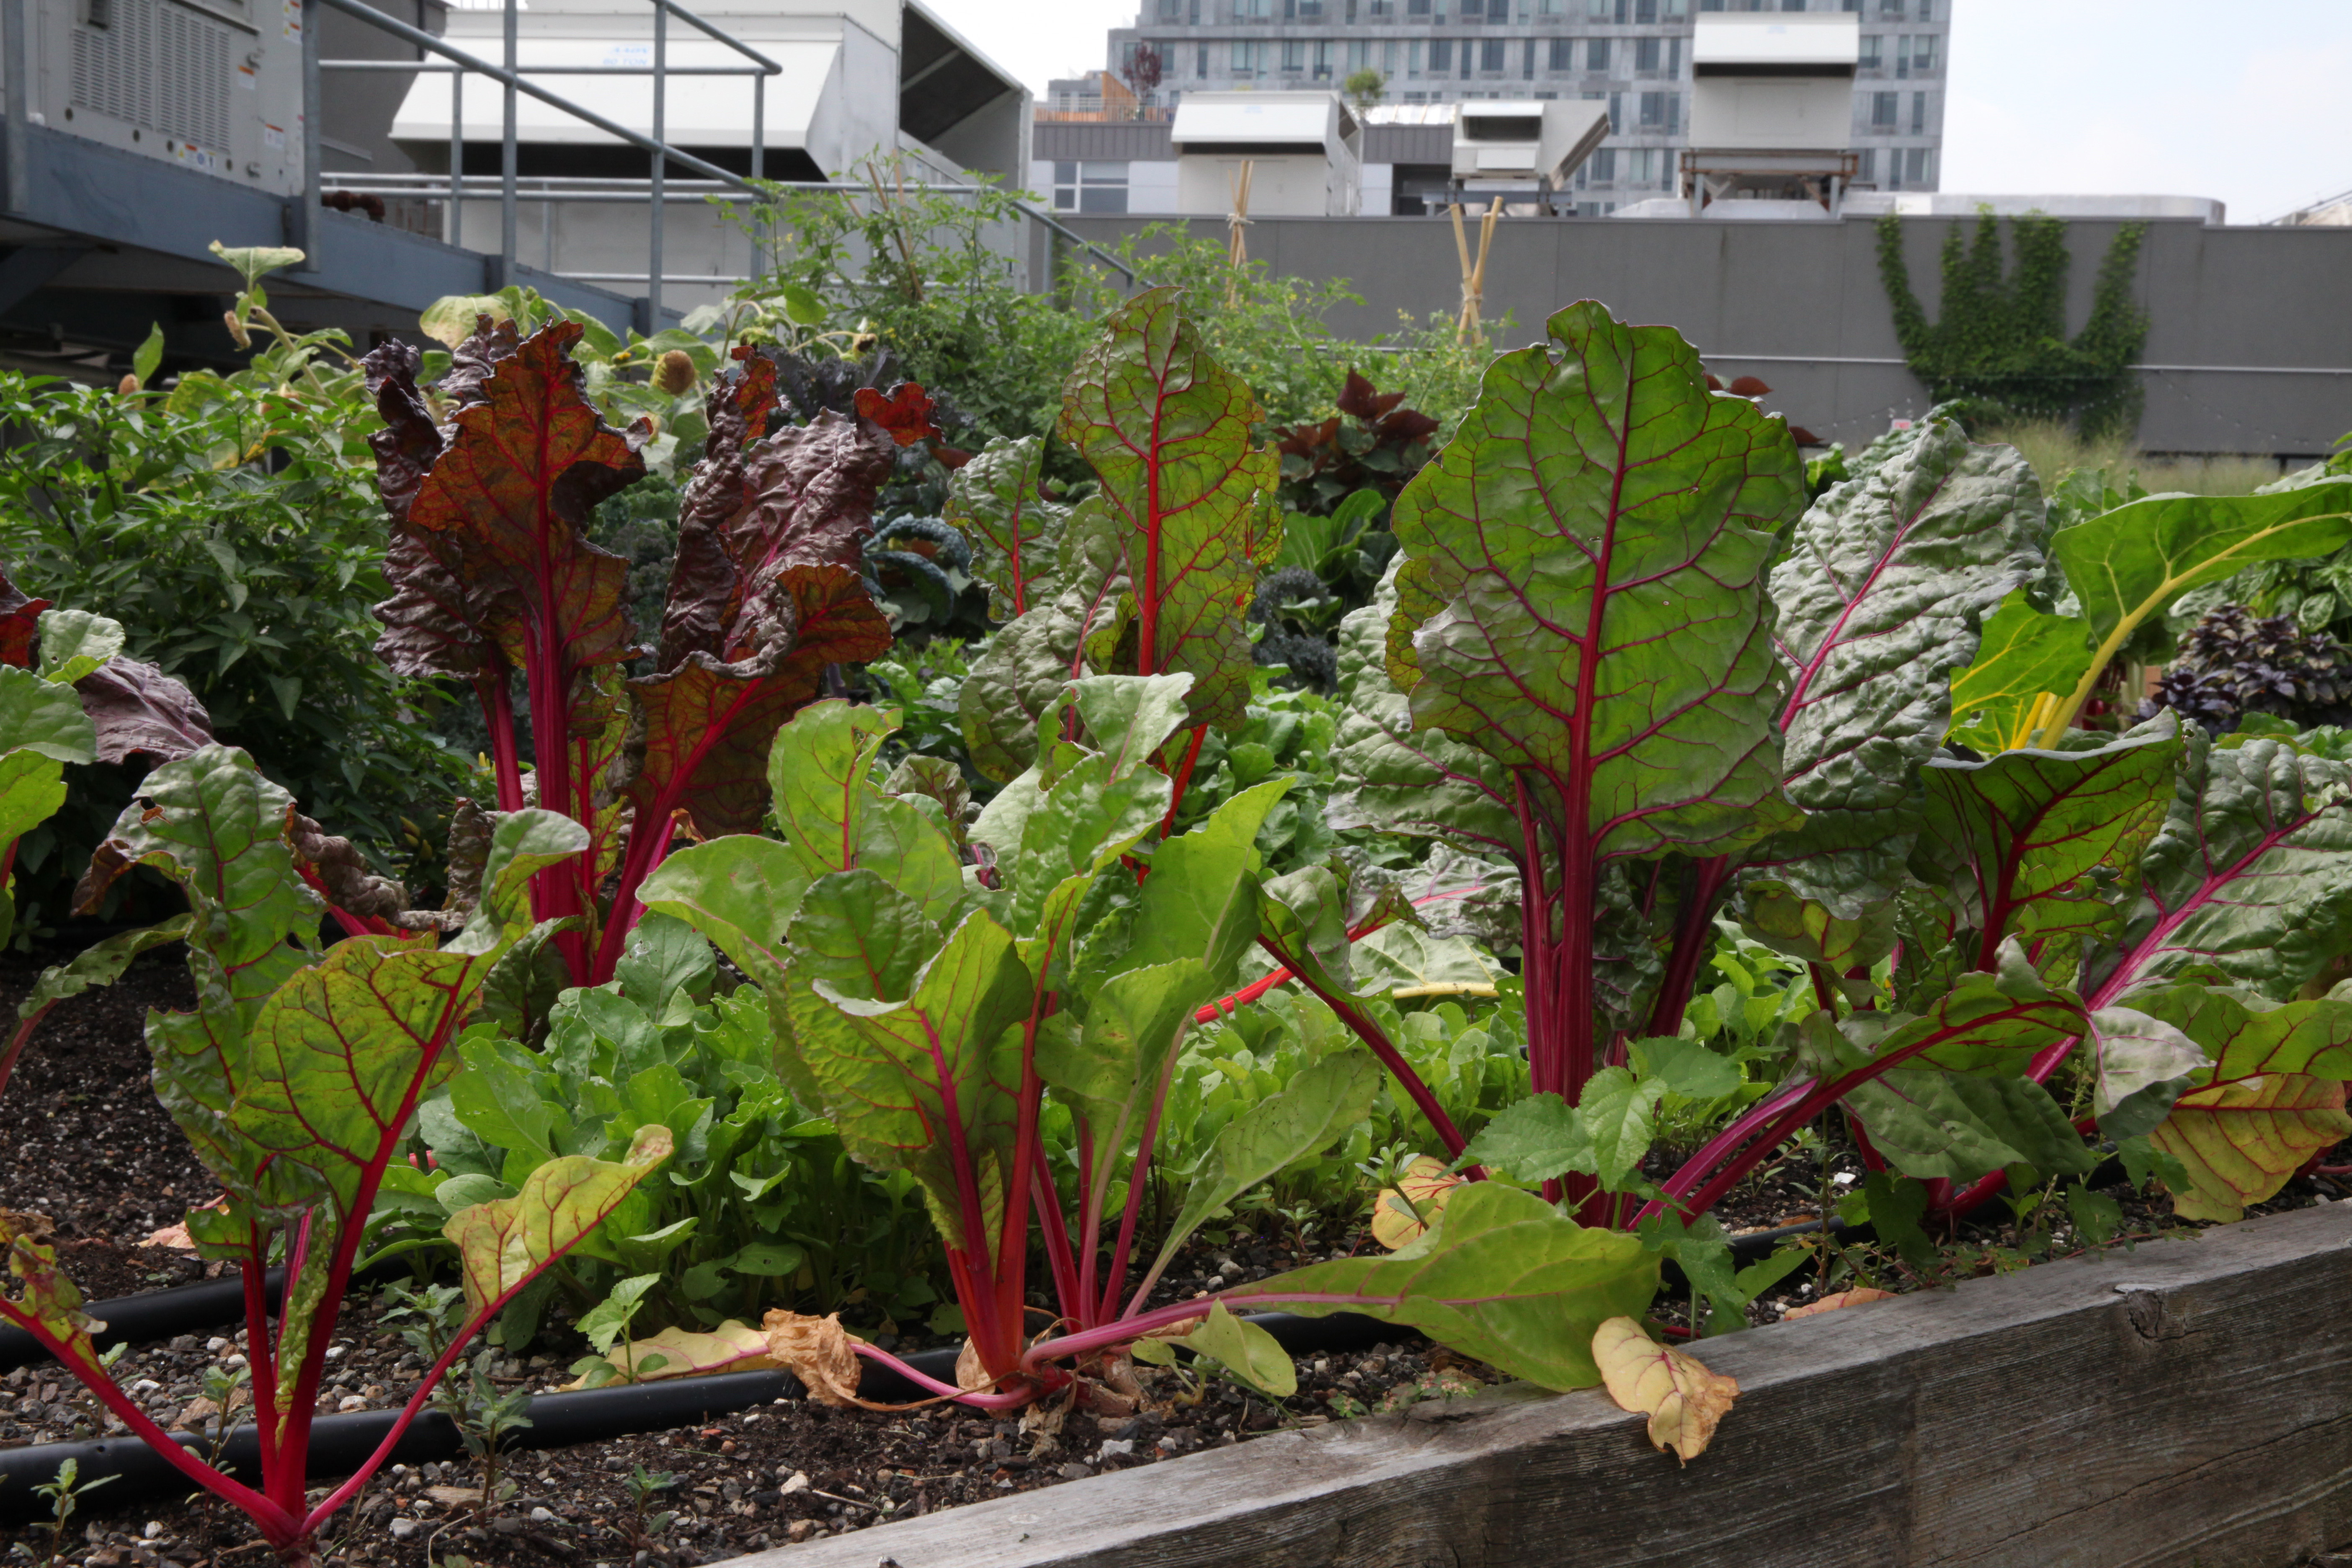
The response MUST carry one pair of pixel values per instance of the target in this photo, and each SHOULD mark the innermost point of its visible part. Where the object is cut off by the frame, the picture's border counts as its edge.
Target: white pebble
(1114, 1447)
(799, 1483)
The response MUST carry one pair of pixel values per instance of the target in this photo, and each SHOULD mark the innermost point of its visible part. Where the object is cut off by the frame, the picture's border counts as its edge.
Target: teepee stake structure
(1474, 277)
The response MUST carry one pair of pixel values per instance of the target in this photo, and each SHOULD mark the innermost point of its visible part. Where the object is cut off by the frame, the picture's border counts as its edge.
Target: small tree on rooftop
(1365, 87)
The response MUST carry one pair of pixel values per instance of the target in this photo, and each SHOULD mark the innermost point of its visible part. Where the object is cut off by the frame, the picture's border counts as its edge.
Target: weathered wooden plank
(2188, 1403)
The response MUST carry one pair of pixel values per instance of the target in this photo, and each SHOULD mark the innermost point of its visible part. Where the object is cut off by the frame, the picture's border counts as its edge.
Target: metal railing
(657, 193)
(508, 76)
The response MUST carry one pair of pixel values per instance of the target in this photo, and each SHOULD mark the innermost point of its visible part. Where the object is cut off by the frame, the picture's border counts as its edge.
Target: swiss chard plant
(490, 478)
(931, 1009)
(296, 1080)
(1620, 652)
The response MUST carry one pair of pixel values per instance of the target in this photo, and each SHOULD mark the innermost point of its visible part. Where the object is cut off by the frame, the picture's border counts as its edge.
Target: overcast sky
(2249, 103)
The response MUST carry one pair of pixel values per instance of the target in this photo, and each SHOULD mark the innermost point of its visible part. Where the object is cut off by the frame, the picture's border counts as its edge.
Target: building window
(1249, 56)
(1646, 11)
(1490, 56)
(1359, 56)
(1091, 187)
(1200, 61)
(1645, 55)
(1882, 111)
(1389, 57)
(1903, 56)
(1918, 167)
(1872, 56)
(1170, 10)
(1653, 111)
(1596, 55)
(1865, 166)
(1441, 56)
(1528, 62)
(1918, 114)
(1471, 8)
(1616, 113)
(1294, 54)
(1563, 55)
(1923, 53)
(1792, 4)
(1890, 8)
(1413, 58)
(1604, 166)
(1323, 61)
(1416, 8)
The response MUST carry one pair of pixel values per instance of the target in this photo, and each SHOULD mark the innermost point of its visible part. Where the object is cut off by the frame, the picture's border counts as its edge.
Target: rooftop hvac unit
(1505, 142)
(215, 87)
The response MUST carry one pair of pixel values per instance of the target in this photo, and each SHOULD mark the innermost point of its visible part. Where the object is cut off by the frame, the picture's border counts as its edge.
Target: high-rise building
(1634, 54)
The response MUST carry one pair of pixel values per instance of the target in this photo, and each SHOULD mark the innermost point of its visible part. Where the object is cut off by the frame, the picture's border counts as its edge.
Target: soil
(87, 1143)
(83, 1139)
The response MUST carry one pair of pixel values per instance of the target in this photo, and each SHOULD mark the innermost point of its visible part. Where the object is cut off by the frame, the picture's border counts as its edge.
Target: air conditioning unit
(216, 87)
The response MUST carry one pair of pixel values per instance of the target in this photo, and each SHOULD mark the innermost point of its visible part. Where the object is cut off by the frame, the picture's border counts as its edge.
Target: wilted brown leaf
(817, 1350)
(1682, 1400)
(1857, 1296)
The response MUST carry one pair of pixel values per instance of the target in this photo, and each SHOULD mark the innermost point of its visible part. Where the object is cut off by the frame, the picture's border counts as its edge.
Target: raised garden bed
(2189, 1401)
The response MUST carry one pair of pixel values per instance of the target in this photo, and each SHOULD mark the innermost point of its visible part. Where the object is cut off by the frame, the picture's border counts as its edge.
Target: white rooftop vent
(1302, 122)
(1774, 81)
(1529, 141)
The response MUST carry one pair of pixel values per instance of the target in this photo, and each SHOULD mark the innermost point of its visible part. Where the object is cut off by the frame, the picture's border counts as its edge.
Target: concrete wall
(2249, 347)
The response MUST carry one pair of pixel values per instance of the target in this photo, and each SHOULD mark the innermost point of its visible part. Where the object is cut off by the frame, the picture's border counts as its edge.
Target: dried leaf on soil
(1682, 1400)
(1859, 1296)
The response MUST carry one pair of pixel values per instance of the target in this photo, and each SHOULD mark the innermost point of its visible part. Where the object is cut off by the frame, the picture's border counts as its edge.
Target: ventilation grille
(157, 64)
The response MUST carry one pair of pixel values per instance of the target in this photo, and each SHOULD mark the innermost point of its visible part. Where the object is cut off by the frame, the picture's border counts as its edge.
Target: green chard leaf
(925, 1084)
(1395, 778)
(1503, 1276)
(2271, 1095)
(1878, 600)
(1018, 677)
(2249, 876)
(2042, 846)
(994, 501)
(2129, 564)
(1583, 596)
(1167, 429)
(75, 642)
(836, 817)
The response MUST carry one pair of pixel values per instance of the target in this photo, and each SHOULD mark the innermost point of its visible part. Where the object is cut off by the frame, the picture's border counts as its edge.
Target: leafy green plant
(228, 528)
(295, 1081)
(757, 1207)
(1999, 342)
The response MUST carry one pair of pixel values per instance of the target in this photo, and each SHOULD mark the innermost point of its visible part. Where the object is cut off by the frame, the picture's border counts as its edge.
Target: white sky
(2245, 102)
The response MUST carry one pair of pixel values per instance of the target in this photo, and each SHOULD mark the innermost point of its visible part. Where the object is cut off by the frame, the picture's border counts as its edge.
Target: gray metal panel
(2241, 317)
(1408, 143)
(1109, 141)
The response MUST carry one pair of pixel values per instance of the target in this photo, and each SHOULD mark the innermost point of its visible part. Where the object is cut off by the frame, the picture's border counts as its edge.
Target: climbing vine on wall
(1998, 345)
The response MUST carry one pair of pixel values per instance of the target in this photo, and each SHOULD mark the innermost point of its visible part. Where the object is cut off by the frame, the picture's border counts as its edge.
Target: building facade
(1633, 54)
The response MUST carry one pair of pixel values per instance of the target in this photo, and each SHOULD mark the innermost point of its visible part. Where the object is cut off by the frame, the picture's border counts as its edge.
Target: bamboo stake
(1468, 326)
(1236, 245)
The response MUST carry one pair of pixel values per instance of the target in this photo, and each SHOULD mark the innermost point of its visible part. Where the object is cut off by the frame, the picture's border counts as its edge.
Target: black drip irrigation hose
(340, 1444)
(160, 1315)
